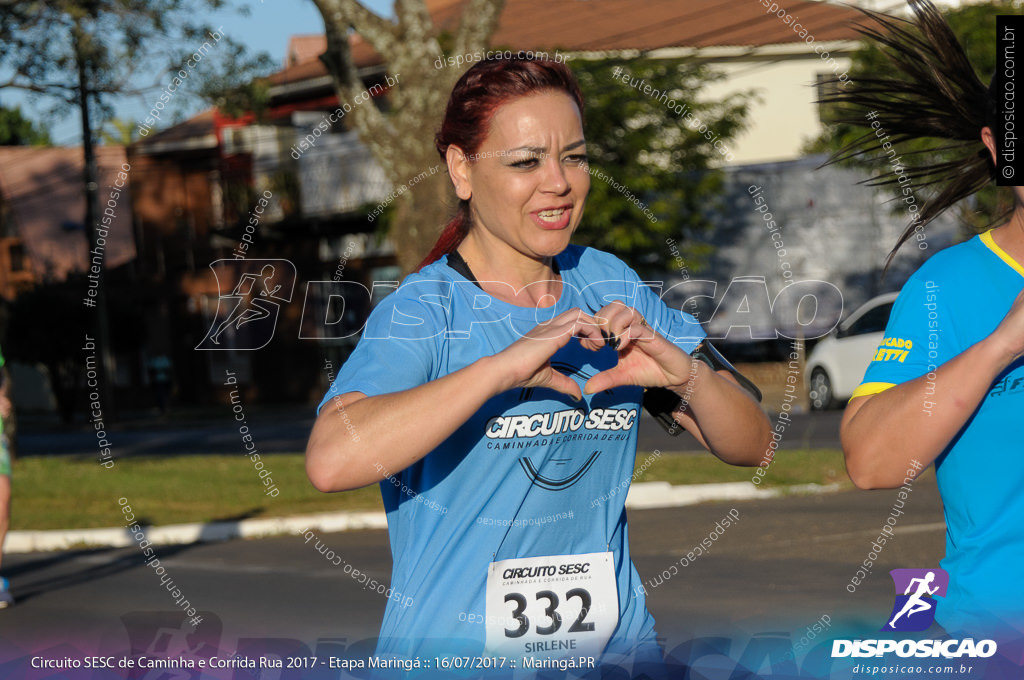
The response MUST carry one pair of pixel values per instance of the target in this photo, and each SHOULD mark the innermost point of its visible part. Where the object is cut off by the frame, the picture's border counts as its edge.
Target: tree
(119, 132)
(975, 28)
(662, 150)
(17, 130)
(402, 142)
(127, 49)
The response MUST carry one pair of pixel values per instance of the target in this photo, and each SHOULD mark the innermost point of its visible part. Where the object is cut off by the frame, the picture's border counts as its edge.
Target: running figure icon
(915, 604)
(249, 307)
(246, 317)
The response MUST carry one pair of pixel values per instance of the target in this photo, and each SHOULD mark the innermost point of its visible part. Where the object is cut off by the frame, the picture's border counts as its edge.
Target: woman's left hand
(718, 412)
(646, 359)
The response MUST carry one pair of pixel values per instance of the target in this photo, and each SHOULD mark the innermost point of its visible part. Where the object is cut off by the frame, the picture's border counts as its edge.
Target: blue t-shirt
(956, 299)
(528, 475)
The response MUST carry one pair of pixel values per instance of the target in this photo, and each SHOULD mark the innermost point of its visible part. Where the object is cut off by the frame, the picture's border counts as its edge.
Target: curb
(642, 496)
(179, 534)
(664, 495)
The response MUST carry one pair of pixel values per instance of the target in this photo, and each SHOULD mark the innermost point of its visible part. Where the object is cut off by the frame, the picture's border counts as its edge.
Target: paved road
(287, 430)
(781, 567)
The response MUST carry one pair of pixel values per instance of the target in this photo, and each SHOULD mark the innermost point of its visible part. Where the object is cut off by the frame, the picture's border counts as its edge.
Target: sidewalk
(642, 496)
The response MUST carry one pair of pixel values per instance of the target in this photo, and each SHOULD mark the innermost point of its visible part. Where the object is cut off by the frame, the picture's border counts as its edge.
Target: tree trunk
(419, 219)
(403, 141)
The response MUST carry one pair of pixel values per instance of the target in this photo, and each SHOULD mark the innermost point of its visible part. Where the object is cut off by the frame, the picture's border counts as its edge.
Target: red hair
(481, 90)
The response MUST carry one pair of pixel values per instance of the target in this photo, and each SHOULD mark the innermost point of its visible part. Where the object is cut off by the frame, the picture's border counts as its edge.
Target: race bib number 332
(555, 606)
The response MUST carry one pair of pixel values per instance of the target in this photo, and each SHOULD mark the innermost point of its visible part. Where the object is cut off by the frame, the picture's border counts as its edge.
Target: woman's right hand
(525, 363)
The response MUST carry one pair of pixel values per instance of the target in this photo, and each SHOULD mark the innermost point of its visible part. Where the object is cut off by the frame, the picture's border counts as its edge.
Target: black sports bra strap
(458, 263)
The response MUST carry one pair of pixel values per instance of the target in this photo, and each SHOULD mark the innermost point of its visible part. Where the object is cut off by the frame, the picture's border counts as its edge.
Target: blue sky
(267, 28)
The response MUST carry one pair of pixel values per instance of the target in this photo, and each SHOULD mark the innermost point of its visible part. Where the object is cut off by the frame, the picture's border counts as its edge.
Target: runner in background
(6, 599)
(955, 397)
(160, 372)
(497, 393)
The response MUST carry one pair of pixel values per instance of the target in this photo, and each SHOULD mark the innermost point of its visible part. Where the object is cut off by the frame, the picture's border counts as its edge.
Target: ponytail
(452, 235)
(939, 97)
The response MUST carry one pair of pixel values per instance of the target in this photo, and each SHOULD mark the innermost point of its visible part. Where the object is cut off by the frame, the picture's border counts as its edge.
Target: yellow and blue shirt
(956, 299)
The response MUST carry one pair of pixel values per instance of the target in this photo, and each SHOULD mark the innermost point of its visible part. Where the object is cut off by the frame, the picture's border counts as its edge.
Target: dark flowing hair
(940, 97)
(476, 96)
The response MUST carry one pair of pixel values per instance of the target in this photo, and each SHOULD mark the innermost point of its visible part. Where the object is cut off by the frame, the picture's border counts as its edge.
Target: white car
(837, 364)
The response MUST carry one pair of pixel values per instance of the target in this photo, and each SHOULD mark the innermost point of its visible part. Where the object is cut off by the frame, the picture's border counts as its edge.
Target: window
(16, 254)
(872, 321)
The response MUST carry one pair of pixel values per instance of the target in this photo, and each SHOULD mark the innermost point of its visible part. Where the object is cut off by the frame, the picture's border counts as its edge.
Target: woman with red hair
(496, 395)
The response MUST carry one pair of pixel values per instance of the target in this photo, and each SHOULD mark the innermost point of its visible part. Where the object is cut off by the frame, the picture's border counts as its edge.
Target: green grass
(62, 493)
(821, 466)
(66, 493)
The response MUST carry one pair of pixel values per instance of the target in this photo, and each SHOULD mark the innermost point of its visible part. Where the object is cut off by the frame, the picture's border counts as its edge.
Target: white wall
(783, 115)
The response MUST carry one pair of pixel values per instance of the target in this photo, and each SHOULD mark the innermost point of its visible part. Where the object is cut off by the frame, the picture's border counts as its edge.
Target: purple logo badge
(916, 589)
